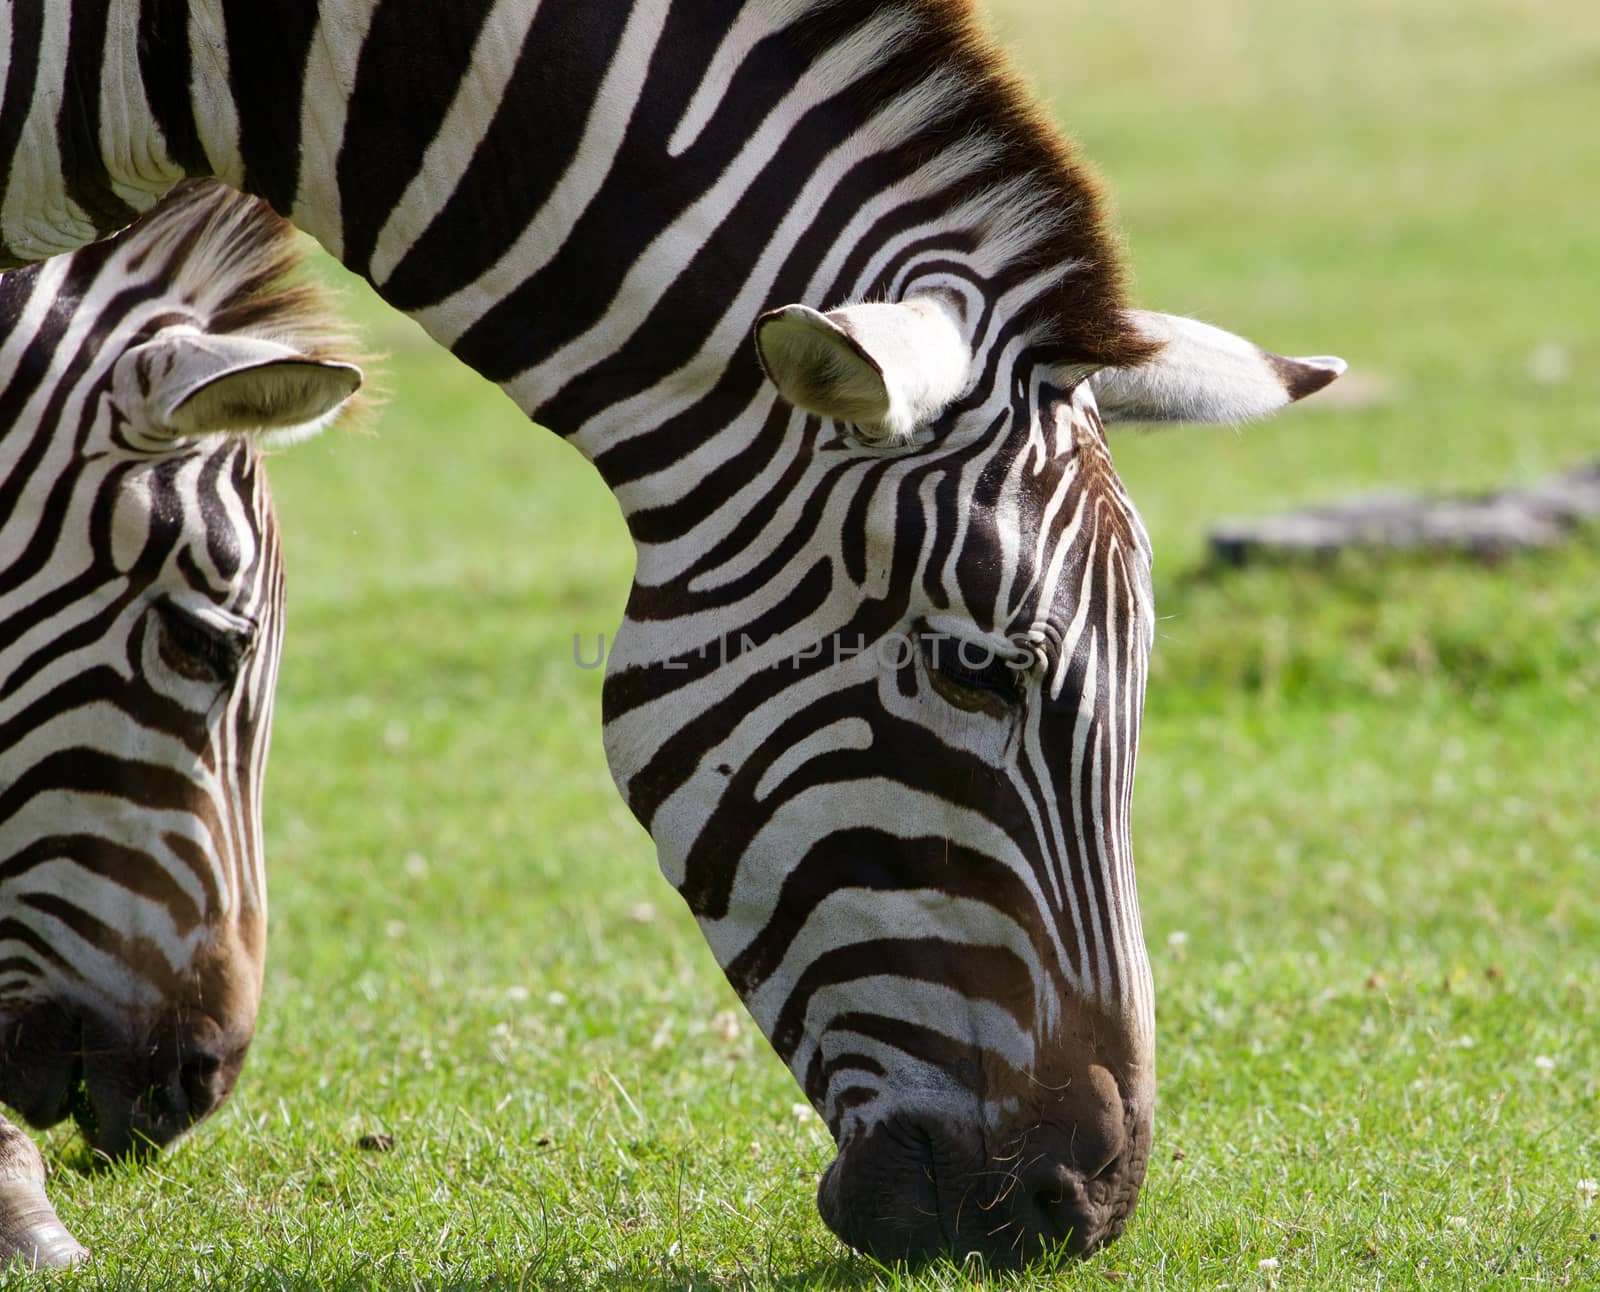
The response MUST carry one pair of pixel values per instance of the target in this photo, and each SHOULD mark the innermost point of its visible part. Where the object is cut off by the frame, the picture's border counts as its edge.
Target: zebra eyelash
(198, 649)
(972, 674)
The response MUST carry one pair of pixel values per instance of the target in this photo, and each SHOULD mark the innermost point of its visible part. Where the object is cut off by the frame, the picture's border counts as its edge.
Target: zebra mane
(988, 145)
(240, 266)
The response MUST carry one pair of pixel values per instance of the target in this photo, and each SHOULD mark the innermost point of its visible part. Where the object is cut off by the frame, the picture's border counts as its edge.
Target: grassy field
(1368, 817)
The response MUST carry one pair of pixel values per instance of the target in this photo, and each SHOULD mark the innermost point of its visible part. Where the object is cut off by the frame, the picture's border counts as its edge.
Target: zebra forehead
(1046, 514)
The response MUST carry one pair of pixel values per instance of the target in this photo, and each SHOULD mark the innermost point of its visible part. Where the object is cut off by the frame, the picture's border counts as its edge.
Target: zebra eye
(198, 649)
(971, 675)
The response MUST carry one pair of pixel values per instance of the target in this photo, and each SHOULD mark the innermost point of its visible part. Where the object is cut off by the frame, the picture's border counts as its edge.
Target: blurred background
(1368, 812)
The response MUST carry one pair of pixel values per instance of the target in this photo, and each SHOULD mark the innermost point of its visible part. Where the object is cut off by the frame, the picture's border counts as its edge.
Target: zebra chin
(130, 1093)
(915, 1188)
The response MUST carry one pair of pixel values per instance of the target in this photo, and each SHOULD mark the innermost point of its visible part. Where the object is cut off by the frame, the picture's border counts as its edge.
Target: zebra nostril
(1050, 1183)
(1059, 1203)
(200, 1078)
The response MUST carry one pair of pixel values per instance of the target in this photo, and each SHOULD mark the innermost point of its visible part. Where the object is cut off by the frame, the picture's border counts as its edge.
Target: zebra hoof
(46, 1246)
(32, 1236)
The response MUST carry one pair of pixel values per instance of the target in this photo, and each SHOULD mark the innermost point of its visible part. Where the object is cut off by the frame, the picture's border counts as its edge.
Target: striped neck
(590, 204)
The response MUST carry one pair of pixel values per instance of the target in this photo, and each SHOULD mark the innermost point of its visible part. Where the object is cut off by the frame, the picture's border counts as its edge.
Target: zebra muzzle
(916, 1188)
(137, 1098)
(127, 1094)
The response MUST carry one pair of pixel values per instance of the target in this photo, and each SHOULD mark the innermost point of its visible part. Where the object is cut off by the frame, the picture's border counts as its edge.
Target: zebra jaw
(889, 369)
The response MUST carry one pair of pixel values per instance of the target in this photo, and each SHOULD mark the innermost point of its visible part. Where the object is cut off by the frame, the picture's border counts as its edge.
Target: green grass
(1369, 800)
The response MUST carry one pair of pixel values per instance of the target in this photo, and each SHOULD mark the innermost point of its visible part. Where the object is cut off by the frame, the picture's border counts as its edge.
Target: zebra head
(884, 737)
(141, 600)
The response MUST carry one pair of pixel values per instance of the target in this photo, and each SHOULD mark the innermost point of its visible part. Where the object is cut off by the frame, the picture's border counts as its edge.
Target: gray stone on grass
(1486, 526)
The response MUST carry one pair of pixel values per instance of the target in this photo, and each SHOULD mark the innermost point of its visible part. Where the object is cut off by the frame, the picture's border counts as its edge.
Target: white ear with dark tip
(1203, 374)
(187, 382)
(889, 369)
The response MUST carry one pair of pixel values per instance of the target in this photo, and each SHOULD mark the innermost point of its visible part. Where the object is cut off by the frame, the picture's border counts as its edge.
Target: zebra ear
(194, 383)
(1203, 374)
(889, 369)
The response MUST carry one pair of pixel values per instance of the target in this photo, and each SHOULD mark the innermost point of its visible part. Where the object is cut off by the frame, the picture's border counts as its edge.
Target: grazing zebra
(877, 694)
(141, 615)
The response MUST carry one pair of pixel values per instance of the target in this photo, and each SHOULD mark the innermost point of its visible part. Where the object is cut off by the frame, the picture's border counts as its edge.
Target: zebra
(877, 691)
(141, 619)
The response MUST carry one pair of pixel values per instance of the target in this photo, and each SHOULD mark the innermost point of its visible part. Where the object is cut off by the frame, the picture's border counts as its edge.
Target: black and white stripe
(141, 616)
(917, 872)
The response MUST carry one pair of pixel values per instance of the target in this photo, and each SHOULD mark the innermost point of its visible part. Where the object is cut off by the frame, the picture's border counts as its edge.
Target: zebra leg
(31, 1234)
